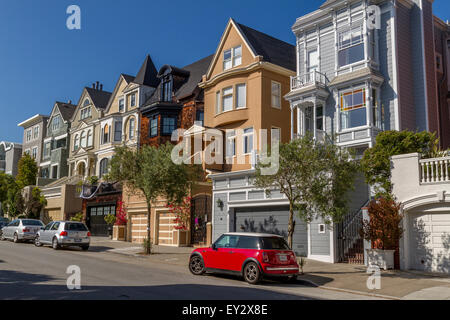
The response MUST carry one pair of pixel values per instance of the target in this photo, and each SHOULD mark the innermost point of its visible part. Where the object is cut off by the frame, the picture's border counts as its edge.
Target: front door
(200, 215)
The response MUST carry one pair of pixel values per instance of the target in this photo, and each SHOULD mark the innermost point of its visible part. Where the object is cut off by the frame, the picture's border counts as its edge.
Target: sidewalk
(395, 284)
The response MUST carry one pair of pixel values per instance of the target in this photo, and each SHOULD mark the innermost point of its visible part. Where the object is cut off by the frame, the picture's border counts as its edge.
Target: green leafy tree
(35, 204)
(27, 171)
(6, 182)
(376, 163)
(315, 177)
(151, 171)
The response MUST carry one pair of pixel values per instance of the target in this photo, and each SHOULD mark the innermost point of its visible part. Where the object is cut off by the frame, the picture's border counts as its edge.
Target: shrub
(77, 217)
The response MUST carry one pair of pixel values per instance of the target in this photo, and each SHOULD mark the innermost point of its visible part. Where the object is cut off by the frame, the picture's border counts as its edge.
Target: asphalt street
(29, 272)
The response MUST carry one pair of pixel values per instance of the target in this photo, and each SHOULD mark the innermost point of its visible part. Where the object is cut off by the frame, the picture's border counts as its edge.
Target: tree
(27, 171)
(34, 204)
(6, 181)
(384, 227)
(151, 171)
(315, 177)
(376, 163)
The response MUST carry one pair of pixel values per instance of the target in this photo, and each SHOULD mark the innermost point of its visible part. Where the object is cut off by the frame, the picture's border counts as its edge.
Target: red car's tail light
(265, 257)
(63, 234)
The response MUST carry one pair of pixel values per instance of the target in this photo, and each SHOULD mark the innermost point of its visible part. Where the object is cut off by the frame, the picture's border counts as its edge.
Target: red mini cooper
(252, 255)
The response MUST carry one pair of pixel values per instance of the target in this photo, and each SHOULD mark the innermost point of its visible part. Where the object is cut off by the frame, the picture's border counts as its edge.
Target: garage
(272, 220)
(429, 237)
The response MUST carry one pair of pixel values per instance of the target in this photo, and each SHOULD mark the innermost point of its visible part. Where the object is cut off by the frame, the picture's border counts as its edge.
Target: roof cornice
(33, 120)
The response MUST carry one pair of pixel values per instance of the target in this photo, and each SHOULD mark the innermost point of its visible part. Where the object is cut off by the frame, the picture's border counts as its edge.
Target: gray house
(55, 151)
(35, 129)
(10, 154)
(363, 66)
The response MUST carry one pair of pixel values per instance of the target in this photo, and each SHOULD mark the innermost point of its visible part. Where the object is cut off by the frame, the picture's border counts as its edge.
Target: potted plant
(383, 230)
(110, 219)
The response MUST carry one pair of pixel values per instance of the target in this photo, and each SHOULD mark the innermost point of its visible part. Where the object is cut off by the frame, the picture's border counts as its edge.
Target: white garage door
(430, 241)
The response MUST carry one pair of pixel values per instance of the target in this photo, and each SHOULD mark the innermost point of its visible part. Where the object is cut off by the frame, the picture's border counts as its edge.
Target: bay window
(227, 99)
(351, 46)
(353, 108)
(241, 96)
(248, 140)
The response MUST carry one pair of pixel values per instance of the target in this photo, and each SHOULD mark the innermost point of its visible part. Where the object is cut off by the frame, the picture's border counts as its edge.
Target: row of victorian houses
(343, 78)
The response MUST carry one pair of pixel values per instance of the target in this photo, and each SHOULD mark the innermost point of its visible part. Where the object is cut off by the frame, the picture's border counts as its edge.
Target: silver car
(64, 234)
(21, 229)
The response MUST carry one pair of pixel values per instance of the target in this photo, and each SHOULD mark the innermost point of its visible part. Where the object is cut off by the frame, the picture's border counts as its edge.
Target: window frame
(233, 57)
(164, 126)
(151, 127)
(131, 128)
(229, 96)
(272, 95)
(231, 135)
(121, 104)
(341, 47)
(246, 136)
(237, 96)
(117, 124)
(343, 110)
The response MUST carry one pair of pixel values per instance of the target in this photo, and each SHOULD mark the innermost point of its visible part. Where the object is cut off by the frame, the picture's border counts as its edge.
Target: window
(167, 89)
(85, 113)
(274, 243)
(132, 128)
(55, 172)
(56, 122)
(83, 139)
(227, 99)
(276, 95)
(439, 64)
(61, 143)
(313, 60)
(133, 100)
(47, 149)
(353, 109)
(103, 167)
(86, 103)
(121, 105)
(118, 131)
(28, 134)
(319, 118)
(248, 140)
(231, 143)
(241, 96)
(89, 138)
(36, 132)
(45, 173)
(232, 57)
(248, 243)
(322, 228)
(105, 134)
(350, 46)
(75, 143)
(154, 126)
(169, 125)
(200, 116)
(227, 241)
(218, 108)
(34, 152)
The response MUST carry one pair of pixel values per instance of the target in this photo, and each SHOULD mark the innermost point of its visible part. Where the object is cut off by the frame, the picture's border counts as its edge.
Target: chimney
(69, 102)
(101, 87)
(96, 85)
(93, 85)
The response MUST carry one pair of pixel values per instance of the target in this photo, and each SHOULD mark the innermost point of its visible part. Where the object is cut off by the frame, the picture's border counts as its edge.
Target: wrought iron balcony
(308, 79)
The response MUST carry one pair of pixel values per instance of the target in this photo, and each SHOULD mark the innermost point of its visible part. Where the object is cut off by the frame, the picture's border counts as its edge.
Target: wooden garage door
(275, 221)
(138, 227)
(430, 241)
(165, 228)
(54, 214)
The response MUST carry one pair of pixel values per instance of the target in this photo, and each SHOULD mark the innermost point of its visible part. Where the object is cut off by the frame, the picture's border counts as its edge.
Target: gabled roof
(99, 98)
(272, 50)
(128, 79)
(66, 110)
(147, 75)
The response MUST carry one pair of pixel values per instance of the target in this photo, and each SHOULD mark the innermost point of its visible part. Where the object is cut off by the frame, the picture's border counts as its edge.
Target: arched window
(83, 139)
(86, 103)
(103, 167)
(89, 138)
(131, 128)
(75, 142)
(106, 134)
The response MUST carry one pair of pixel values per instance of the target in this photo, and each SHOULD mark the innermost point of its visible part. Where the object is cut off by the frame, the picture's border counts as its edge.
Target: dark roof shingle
(99, 98)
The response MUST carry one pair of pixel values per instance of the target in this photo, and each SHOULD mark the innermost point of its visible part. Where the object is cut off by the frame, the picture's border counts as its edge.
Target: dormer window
(86, 102)
(85, 113)
(232, 57)
(166, 89)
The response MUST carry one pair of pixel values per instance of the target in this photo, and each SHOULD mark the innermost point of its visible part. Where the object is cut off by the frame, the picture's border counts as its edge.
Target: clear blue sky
(41, 61)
